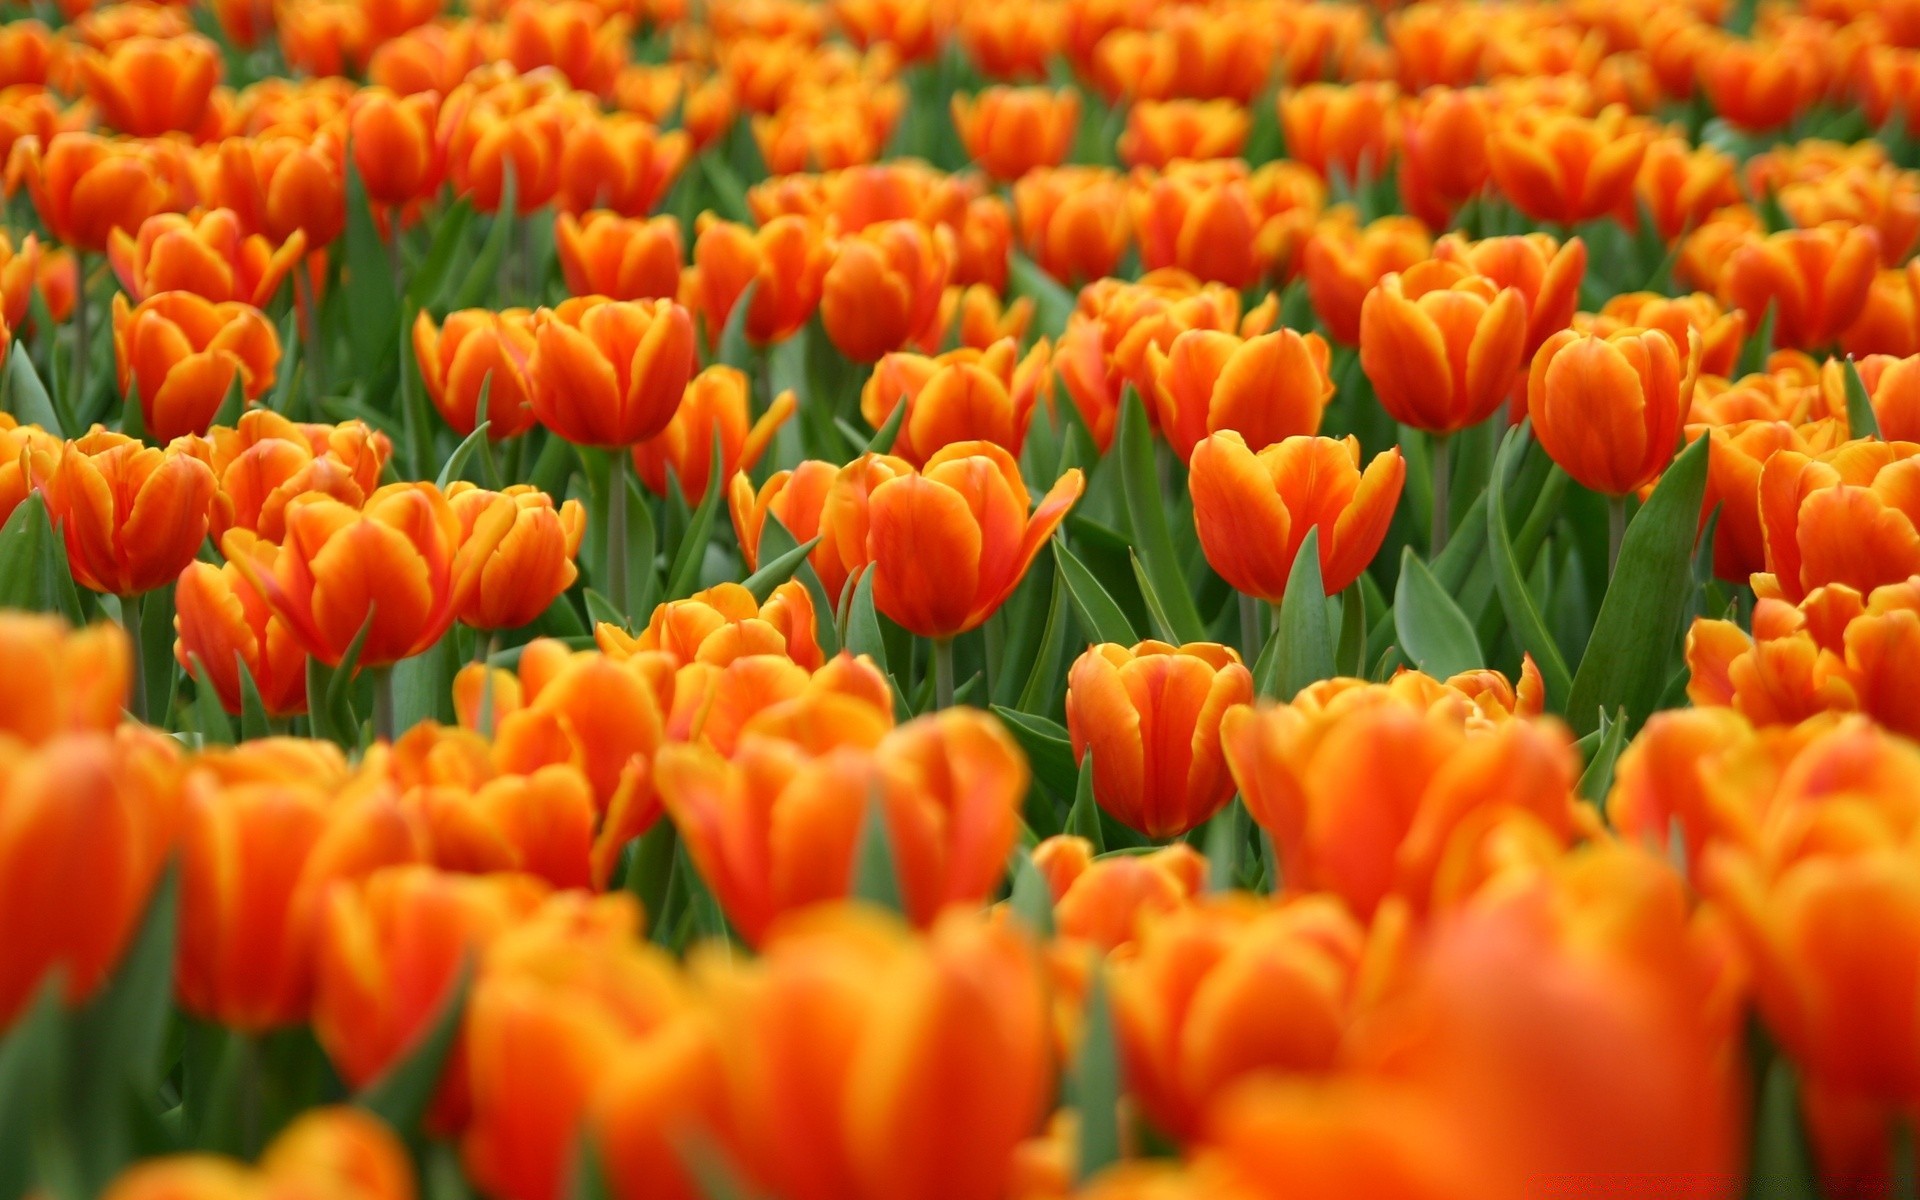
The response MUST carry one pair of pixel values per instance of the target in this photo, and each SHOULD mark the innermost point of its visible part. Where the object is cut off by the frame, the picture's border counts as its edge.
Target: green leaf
(587, 1175)
(457, 461)
(876, 877)
(772, 574)
(1049, 749)
(643, 580)
(1523, 618)
(1753, 355)
(233, 404)
(732, 348)
(31, 1072)
(372, 299)
(429, 281)
(209, 718)
(1052, 303)
(863, 623)
(1434, 634)
(650, 868)
(729, 194)
(401, 1093)
(1862, 421)
(484, 274)
(1083, 819)
(1099, 615)
(1039, 693)
(27, 397)
(281, 398)
(1626, 660)
(683, 579)
(1095, 1083)
(33, 562)
(1597, 780)
(254, 722)
(1305, 654)
(1781, 1155)
(1156, 611)
(1147, 512)
(1350, 654)
(1226, 843)
(600, 610)
(418, 422)
(883, 438)
(423, 686)
(1029, 897)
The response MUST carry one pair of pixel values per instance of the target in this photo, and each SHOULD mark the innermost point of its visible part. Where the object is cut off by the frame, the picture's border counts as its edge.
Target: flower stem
(130, 607)
(1250, 627)
(617, 531)
(943, 672)
(1616, 530)
(383, 704)
(1442, 457)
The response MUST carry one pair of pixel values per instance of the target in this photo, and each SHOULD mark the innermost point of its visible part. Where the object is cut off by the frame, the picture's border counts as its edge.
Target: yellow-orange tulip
(1547, 274)
(1443, 155)
(184, 354)
(1266, 388)
(1608, 410)
(965, 395)
(600, 715)
(1556, 165)
(1109, 901)
(610, 372)
(265, 460)
(223, 624)
(478, 347)
(716, 405)
(1843, 516)
(148, 86)
(1201, 218)
(622, 258)
(1739, 450)
(785, 260)
(394, 146)
(1343, 261)
(338, 1151)
(1442, 346)
(282, 184)
(619, 162)
(84, 186)
(883, 290)
(205, 254)
(723, 623)
(1350, 129)
(529, 565)
(1722, 333)
(1073, 221)
(1158, 132)
(1681, 186)
(132, 515)
(1010, 131)
(60, 680)
(1815, 281)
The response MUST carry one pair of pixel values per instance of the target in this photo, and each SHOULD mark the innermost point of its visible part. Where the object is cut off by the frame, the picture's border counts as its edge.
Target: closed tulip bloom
(279, 184)
(341, 1150)
(265, 461)
(1158, 132)
(84, 186)
(1893, 386)
(723, 623)
(1555, 165)
(1734, 462)
(597, 714)
(1200, 221)
(60, 680)
(257, 862)
(575, 37)
(19, 276)
(1441, 346)
(147, 86)
(883, 290)
(961, 396)
(1108, 902)
(1074, 221)
(1681, 186)
(1546, 272)
(621, 258)
(1009, 131)
(1844, 516)
(1343, 261)
(1722, 333)
(395, 146)
(1889, 322)
(967, 510)
(1443, 153)
(478, 348)
(1815, 281)
(93, 806)
(484, 141)
(1347, 129)
(399, 567)
(610, 372)
(985, 319)
(1150, 716)
(1267, 388)
(222, 624)
(1253, 511)
(132, 515)
(529, 565)
(206, 255)
(785, 261)
(716, 405)
(619, 162)
(389, 948)
(1608, 410)
(1759, 86)
(185, 353)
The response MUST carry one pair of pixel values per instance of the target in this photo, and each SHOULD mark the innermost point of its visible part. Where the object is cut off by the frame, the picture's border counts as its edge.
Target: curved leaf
(1434, 633)
(1523, 618)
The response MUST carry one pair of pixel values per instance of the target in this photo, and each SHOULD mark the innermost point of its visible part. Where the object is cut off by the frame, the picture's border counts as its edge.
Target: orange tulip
(1343, 261)
(610, 372)
(1012, 41)
(1202, 221)
(222, 624)
(1815, 281)
(1734, 461)
(132, 515)
(1843, 516)
(281, 184)
(984, 319)
(723, 623)
(399, 568)
(797, 497)
(968, 498)
(19, 276)
(599, 714)
(1109, 902)
(148, 86)
(619, 162)
(785, 260)
(28, 53)
(1253, 511)
(1546, 272)
(1266, 388)
(336, 1151)
(388, 949)
(1889, 322)
(574, 37)
(257, 861)
(1443, 155)
(1349, 129)
(478, 348)
(715, 405)
(84, 186)
(1132, 707)
(267, 460)
(1442, 346)
(531, 563)
(1073, 221)
(619, 257)
(1158, 132)
(92, 806)
(432, 58)
(61, 681)
(204, 254)
(883, 290)
(964, 395)
(1721, 332)
(1010, 131)
(1554, 165)
(324, 37)
(1760, 86)
(395, 149)
(483, 141)
(1608, 410)
(870, 1064)
(58, 277)
(1681, 186)
(184, 354)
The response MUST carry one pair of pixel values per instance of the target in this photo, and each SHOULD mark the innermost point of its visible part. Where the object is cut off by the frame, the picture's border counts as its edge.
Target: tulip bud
(1608, 410)
(127, 553)
(1267, 388)
(785, 260)
(184, 354)
(222, 625)
(883, 290)
(622, 258)
(1010, 131)
(205, 255)
(962, 396)
(610, 372)
(530, 564)
(1442, 346)
(84, 187)
(394, 147)
(1815, 281)
(478, 348)
(148, 86)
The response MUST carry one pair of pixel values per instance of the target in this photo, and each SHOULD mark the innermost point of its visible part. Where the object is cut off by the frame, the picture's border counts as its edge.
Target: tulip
(964, 395)
(1266, 388)
(575, 37)
(1109, 902)
(619, 162)
(984, 320)
(1185, 54)
(335, 1151)
(949, 787)
(913, 29)
(267, 460)
(1680, 186)
(1131, 707)
(205, 255)
(84, 186)
(166, 494)
(715, 406)
(529, 566)
(388, 949)
(484, 141)
(1343, 262)
(398, 569)
(92, 806)
(477, 348)
(1842, 516)
(1554, 165)
(257, 861)
(185, 354)
(1005, 42)
(61, 681)
(1759, 86)
(1608, 410)
(1721, 332)
(969, 495)
(1734, 461)
(1443, 155)
(279, 185)
(432, 58)
(394, 145)
(19, 276)
(1814, 281)
(610, 372)
(598, 714)
(58, 278)
(1010, 131)
(1158, 132)
(723, 623)
(28, 53)
(21, 447)
(883, 290)
(223, 625)
(1545, 272)
(1349, 129)
(866, 1063)
(785, 261)
(1442, 346)
(619, 257)
(1253, 511)
(148, 86)
(325, 38)
(1073, 221)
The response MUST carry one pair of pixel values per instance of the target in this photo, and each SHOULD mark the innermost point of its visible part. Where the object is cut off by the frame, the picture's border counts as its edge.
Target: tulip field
(960, 600)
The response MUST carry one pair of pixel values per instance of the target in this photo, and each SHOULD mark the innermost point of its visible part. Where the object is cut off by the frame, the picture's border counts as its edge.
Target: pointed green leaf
(684, 579)
(31, 1071)
(1099, 615)
(423, 686)
(484, 274)
(1597, 780)
(1781, 1154)
(27, 397)
(1029, 897)
(876, 877)
(1038, 693)
(1226, 843)
(372, 299)
(33, 563)
(209, 718)
(1095, 1083)
(1434, 634)
(1862, 421)
(457, 461)
(1147, 512)
(429, 282)
(600, 610)
(1753, 355)
(863, 623)
(233, 404)
(883, 438)
(401, 1093)
(1156, 611)
(1049, 749)
(772, 574)
(254, 722)
(1305, 652)
(732, 348)
(1523, 618)
(1083, 819)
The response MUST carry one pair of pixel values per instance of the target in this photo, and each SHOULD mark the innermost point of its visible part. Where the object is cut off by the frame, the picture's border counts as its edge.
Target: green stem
(130, 620)
(1616, 529)
(943, 672)
(1442, 463)
(483, 720)
(383, 704)
(1250, 627)
(82, 340)
(617, 530)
